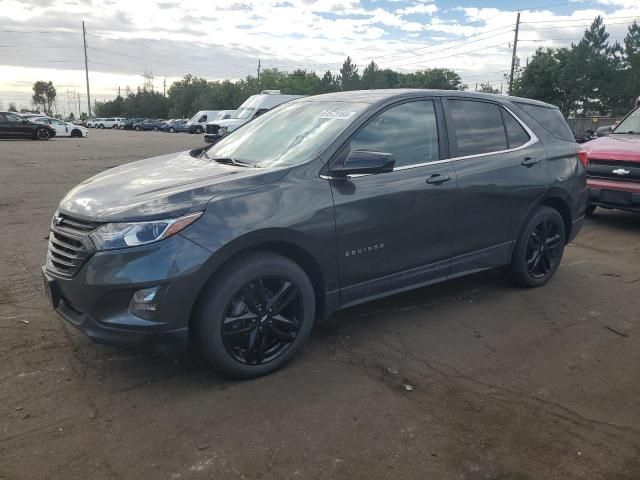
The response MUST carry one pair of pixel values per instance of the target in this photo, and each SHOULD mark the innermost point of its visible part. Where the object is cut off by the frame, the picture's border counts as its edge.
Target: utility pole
(258, 70)
(164, 87)
(86, 69)
(79, 108)
(514, 56)
(118, 90)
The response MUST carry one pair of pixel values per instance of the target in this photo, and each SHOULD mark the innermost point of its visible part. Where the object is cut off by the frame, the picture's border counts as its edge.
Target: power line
(436, 48)
(451, 55)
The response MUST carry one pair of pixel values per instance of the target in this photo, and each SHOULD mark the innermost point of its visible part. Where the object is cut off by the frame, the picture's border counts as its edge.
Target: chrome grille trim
(69, 245)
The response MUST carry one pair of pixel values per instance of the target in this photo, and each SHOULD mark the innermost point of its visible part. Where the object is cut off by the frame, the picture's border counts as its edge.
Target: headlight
(122, 235)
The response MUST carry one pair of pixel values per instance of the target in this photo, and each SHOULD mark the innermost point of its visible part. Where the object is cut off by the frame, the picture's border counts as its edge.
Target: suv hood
(614, 147)
(160, 187)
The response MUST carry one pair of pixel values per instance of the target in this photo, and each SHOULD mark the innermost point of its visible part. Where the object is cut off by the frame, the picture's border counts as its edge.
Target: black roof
(383, 95)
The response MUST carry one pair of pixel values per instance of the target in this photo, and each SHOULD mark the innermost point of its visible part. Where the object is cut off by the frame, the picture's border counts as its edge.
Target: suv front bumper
(96, 300)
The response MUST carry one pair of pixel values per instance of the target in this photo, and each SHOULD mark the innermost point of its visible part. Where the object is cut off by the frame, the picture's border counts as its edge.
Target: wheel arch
(562, 207)
(292, 250)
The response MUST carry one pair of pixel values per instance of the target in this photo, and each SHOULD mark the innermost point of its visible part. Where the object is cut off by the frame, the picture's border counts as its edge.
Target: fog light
(145, 303)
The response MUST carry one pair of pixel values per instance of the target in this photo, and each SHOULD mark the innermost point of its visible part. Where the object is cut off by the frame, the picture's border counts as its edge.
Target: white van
(112, 122)
(253, 107)
(198, 122)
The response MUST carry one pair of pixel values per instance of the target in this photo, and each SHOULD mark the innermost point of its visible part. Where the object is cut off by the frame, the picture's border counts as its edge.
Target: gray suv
(320, 204)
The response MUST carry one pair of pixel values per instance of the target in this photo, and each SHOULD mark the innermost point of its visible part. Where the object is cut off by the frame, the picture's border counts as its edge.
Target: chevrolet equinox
(320, 204)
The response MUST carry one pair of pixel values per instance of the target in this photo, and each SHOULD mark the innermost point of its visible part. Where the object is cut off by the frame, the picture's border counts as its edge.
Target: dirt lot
(472, 379)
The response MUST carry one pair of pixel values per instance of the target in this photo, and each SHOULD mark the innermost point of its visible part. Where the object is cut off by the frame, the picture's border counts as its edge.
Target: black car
(129, 123)
(323, 203)
(13, 125)
(148, 124)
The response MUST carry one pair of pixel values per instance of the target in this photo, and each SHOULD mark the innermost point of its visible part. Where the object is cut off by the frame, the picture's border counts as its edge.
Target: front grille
(626, 171)
(614, 163)
(69, 245)
(213, 129)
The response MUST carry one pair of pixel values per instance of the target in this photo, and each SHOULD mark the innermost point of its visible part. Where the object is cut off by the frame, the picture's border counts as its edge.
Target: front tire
(76, 133)
(199, 130)
(172, 130)
(101, 125)
(539, 248)
(590, 210)
(255, 315)
(137, 129)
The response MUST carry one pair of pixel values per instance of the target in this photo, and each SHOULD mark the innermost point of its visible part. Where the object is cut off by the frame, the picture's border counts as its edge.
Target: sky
(224, 39)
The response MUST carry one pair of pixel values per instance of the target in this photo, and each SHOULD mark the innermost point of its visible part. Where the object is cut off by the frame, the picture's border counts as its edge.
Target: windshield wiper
(230, 161)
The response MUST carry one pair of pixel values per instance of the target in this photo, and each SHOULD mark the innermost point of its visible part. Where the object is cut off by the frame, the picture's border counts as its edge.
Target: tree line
(592, 77)
(191, 93)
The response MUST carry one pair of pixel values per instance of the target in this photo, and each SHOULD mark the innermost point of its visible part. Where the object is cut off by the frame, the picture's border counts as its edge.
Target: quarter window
(477, 127)
(516, 134)
(409, 132)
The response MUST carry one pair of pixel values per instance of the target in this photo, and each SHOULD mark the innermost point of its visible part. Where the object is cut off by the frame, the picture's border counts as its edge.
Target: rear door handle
(437, 179)
(530, 162)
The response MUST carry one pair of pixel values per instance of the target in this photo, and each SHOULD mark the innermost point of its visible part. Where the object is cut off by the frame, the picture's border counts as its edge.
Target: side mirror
(604, 131)
(361, 162)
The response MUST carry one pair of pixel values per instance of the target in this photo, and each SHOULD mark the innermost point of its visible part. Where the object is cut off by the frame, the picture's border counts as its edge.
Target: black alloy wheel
(539, 248)
(262, 320)
(254, 314)
(544, 248)
(43, 134)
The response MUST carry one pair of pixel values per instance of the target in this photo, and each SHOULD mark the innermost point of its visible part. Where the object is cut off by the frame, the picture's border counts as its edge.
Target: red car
(613, 169)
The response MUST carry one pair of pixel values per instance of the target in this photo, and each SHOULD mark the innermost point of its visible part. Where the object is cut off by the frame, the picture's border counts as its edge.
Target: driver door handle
(530, 162)
(437, 179)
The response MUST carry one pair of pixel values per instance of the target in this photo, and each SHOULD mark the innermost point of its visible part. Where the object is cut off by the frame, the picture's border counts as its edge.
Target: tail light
(582, 156)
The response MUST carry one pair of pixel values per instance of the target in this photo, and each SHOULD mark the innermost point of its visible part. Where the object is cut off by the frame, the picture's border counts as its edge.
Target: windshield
(631, 124)
(244, 113)
(287, 135)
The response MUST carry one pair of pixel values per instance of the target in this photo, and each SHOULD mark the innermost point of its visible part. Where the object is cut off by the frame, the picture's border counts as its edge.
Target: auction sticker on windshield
(337, 115)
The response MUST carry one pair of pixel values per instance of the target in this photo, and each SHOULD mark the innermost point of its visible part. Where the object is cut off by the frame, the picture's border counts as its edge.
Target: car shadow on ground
(616, 219)
(120, 366)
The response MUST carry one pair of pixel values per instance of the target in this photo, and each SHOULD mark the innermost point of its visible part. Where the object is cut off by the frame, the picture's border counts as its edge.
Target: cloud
(219, 40)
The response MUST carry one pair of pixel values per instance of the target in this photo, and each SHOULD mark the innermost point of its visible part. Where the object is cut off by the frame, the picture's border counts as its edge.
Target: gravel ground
(472, 379)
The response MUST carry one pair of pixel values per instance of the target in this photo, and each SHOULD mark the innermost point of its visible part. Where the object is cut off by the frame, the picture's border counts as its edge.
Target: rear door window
(551, 120)
(477, 127)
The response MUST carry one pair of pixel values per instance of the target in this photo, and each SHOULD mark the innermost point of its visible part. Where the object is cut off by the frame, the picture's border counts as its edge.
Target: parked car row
(37, 127)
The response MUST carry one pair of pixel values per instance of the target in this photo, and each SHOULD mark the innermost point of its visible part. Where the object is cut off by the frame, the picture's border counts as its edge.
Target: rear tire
(255, 315)
(42, 134)
(101, 126)
(137, 129)
(172, 130)
(539, 249)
